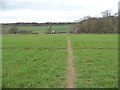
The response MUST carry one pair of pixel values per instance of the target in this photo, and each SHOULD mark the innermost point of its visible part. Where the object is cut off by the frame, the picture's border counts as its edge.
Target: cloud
(39, 6)
(53, 10)
(58, 4)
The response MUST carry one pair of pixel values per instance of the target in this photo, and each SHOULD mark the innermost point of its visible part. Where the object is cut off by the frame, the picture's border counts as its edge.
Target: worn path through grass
(70, 72)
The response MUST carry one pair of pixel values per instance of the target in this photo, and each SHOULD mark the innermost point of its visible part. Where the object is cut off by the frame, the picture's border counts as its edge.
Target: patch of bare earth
(70, 67)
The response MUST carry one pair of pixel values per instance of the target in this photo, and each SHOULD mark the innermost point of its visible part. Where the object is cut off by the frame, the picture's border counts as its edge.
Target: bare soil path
(70, 67)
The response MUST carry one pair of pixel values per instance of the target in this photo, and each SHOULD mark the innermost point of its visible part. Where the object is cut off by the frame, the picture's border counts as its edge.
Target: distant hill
(41, 28)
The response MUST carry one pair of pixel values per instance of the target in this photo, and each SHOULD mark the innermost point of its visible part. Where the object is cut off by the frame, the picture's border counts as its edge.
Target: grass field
(34, 61)
(41, 60)
(40, 29)
(96, 60)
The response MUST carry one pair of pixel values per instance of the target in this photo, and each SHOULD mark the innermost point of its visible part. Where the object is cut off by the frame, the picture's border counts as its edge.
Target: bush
(13, 30)
(49, 30)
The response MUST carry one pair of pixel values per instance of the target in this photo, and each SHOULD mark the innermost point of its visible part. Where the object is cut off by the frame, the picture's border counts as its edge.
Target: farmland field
(34, 61)
(96, 60)
(40, 29)
(41, 60)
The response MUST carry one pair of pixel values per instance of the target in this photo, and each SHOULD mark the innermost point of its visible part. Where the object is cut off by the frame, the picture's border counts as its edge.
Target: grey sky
(52, 10)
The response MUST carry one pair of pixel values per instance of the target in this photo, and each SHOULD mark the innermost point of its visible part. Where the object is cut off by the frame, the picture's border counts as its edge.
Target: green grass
(34, 41)
(33, 69)
(41, 29)
(62, 28)
(95, 60)
(34, 61)
(95, 41)
(96, 68)
(40, 61)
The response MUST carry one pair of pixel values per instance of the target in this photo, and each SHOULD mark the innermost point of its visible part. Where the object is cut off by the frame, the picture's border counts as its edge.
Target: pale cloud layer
(52, 10)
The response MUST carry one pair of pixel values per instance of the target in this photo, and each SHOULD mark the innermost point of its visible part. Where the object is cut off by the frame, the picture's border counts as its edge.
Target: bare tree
(106, 13)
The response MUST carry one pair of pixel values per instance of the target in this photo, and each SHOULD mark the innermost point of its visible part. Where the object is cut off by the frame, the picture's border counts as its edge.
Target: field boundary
(70, 67)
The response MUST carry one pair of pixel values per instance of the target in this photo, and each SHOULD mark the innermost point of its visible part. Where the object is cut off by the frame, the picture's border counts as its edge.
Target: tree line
(106, 24)
(38, 24)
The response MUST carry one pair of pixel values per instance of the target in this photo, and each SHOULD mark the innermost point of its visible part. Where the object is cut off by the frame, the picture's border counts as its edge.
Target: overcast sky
(52, 10)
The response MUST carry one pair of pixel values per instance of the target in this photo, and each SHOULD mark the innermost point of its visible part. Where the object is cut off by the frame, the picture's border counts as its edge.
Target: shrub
(13, 30)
